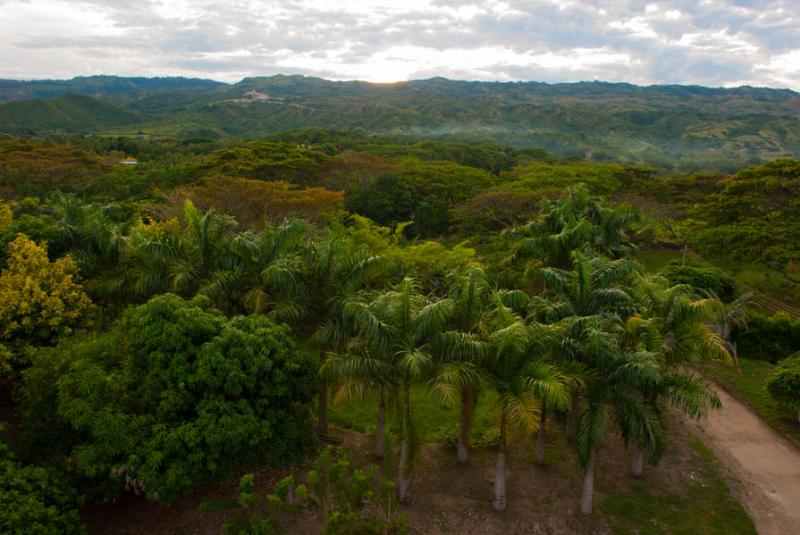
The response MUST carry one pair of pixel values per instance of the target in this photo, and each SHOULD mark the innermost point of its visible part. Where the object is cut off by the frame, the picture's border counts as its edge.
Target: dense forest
(675, 128)
(238, 292)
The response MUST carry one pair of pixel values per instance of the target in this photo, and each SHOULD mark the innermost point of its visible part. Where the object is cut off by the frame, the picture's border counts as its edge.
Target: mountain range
(668, 126)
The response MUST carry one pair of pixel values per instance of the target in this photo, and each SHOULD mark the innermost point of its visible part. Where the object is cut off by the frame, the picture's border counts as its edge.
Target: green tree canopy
(173, 395)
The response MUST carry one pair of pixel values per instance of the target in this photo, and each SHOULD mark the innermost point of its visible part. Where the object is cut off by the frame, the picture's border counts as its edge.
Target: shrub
(35, 501)
(346, 500)
(709, 279)
(784, 383)
(171, 396)
(769, 338)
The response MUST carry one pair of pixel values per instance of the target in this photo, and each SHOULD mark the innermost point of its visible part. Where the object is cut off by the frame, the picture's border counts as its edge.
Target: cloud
(709, 42)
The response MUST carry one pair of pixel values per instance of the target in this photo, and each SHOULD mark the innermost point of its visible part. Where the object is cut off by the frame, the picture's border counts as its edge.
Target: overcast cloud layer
(707, 42)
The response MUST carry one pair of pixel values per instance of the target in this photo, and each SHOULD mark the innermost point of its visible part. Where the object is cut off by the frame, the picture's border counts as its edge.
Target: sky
(705, 42)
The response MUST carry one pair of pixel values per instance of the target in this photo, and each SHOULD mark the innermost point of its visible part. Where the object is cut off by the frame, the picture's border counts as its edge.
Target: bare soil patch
(448, 497)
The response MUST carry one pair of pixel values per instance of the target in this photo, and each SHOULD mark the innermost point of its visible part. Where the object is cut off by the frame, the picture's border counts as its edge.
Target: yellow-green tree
(6, 216)
(40, 300)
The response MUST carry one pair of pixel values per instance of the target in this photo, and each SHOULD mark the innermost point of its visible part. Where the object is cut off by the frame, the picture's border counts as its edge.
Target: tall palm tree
(458, 373)
(559, 353)
(262, 272)
(361, 373)
(96, 236)
(184, 260)
(334, 269)
(675, 326)
(203, 251)
(400, 328)
(683, 320)
(594, 287)
(613, 383)
(517, 370)
(573, 223)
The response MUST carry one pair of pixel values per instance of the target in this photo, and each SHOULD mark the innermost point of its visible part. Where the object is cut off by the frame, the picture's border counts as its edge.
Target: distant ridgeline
(673, 127)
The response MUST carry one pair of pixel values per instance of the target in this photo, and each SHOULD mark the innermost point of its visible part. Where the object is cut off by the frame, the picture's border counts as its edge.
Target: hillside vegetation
(494, 316)
(672, 127)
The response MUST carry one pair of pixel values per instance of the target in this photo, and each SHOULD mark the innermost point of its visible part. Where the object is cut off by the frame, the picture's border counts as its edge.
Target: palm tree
(731, 317)
(184, 260)
(517, 370)
(461, 350)
(558, 354)
(683, 321)
(571, 224)
(593, 287)
(674, 325)
(202, 252)
(262, 272)
(400, 328)
(334, 269)
(614, 381)
(360, 373)
(96, 236)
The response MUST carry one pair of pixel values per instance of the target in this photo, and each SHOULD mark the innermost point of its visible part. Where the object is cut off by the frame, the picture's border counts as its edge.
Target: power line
(760, 298)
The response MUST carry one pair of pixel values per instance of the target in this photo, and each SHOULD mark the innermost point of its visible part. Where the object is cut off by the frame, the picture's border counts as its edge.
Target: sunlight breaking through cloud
(675, 41)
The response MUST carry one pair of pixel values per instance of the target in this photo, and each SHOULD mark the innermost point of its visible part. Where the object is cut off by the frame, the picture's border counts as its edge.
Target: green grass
(218, 506)
(434, 421)
(757, 276)
(654, 260)
(749, 387)
(705, 507)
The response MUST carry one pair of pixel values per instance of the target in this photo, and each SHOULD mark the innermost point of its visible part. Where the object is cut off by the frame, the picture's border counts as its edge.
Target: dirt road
(765, 462)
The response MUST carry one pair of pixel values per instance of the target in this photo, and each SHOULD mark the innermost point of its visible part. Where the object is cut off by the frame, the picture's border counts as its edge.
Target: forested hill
(675, 127)
(11, 90)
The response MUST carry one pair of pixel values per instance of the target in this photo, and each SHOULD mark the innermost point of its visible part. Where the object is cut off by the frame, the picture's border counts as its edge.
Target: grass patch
(218, 506)
(706, 507)
(704, 504)
(750, 388)
(757, 276)
(654, 260)
(433, 420)
(765, 279)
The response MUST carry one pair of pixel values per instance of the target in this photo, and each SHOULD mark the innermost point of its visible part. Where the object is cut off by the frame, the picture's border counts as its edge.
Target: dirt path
(766, 464)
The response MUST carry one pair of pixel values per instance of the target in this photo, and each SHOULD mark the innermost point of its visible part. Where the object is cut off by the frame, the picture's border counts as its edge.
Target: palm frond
(593, 425)
(546, 382)
(690, 392)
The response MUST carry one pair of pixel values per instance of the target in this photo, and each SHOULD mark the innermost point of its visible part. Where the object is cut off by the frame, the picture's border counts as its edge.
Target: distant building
(129, 161)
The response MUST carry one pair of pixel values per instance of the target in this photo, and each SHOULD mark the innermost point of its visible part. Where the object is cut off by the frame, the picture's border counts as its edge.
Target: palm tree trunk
(735, 355)
(574, 416)
(322, 412)
(379, 430)
(403, 468)
(463, 430)
(638, 461)
(499, 502)
(588, 485)
(322, 418)
(541, 436)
